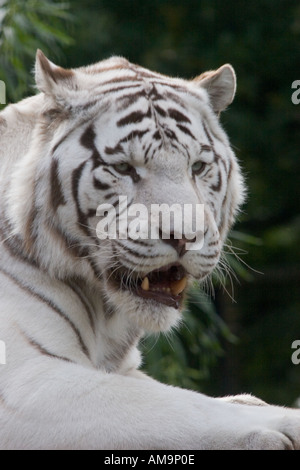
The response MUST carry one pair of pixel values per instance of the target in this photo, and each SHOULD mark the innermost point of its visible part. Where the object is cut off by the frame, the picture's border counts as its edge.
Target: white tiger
(72, 308)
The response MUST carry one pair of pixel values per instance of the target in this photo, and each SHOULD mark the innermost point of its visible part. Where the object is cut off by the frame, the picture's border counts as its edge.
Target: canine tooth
(178, 286)
(145, 284)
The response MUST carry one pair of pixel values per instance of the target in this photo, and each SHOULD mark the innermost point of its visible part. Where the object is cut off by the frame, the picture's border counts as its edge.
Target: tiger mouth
(165, 285)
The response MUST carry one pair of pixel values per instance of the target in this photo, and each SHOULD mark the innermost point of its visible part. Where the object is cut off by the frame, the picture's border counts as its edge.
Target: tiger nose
(179, 244)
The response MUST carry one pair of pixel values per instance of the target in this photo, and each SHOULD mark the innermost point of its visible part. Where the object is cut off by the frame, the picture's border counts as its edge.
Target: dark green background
(261, 39)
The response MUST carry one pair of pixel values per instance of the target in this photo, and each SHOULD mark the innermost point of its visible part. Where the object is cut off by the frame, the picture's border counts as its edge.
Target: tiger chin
(74, 304)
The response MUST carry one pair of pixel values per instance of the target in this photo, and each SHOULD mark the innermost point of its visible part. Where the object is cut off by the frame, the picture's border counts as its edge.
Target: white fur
(54, 395)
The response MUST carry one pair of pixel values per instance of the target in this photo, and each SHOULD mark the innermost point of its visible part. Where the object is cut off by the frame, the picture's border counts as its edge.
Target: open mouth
(165, 285)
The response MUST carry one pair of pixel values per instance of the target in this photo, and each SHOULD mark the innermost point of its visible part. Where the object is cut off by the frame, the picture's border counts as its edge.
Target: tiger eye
(198, 167)
(123, 167)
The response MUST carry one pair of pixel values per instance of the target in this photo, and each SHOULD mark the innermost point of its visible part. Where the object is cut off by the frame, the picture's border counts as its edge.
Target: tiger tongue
(175, 287)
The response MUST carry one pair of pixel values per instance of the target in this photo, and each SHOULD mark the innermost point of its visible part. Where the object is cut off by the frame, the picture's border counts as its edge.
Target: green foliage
(26, 26)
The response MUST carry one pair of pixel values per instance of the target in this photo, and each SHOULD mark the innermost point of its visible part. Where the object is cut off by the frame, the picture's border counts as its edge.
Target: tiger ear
(52, 79)
(220, 85)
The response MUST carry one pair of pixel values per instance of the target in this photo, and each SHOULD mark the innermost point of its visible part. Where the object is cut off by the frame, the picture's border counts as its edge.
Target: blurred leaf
(245, 237)
(24, 27)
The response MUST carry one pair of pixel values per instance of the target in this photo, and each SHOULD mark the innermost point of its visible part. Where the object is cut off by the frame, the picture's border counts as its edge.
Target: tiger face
(116, 130)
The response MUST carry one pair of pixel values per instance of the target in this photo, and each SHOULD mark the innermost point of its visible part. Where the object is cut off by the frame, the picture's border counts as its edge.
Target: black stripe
(214, 255)
(129, 78)
(172, 97)
(134, 175)
(98, 185)
(229, 170)
(171, 134)
(43, 350)
(218, 185)
(88, 137)
(57, 197)
(135, 253)
(147, 151)
(205, 148)
(140, 242)
(133, 118)
(148, 74)
(221, 224)
(113, 150)
(49, 304)
(185, 130)
(14, 244)
(91, 213)
(217, 157)
(132, 135)
(205, 173)
(120, 88)
(87, 140)
(213, 243)
(178, 116)
(208, 136)
(94, 267)
(169, 84)
(155, 95)
(60, 142)
(179, 88)
(157, 135)
(107, 170)
(130, 98)
(85, 106)
(100, 68)
(116, 203)
(160, 111)
(187, 151)
(82, 219)
(109, 196)
(85, 302)
(31, 226)
(80, 124)
(126, 261)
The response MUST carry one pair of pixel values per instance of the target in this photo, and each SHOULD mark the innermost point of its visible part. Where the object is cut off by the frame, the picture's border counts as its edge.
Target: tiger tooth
(145, 284)
(178, 286)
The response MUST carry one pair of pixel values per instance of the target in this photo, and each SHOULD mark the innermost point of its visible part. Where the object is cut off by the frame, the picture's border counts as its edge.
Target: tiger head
(116, 131)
